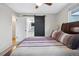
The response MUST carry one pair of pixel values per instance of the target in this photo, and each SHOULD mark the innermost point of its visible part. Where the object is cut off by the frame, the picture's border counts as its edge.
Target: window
(74, 15)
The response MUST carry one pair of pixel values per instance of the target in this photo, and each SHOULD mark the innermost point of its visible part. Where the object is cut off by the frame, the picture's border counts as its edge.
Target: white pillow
(75, 29)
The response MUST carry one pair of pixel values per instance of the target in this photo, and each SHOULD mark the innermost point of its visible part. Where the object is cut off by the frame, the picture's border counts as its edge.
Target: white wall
(20, 28)
(5, 27)
(50, 24)
(63, 15)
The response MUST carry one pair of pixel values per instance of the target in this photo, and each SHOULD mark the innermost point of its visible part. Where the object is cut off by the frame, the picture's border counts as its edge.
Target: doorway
(29, 27)
(39, 26)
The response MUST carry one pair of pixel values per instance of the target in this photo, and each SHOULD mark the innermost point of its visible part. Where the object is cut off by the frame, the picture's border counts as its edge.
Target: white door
(29, 27)
(20, 28)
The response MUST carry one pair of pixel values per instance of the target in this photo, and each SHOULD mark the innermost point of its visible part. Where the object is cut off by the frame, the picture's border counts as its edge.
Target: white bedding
(45, 51)
(43, 48)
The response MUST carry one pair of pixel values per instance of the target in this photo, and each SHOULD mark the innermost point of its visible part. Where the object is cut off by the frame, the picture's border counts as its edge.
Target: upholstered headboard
(71, 28)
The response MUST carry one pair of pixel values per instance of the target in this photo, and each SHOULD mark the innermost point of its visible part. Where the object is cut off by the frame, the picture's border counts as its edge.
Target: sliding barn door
(39, 26)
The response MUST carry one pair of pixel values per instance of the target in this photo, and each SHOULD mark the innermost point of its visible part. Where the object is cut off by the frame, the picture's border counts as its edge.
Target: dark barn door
(39, 26)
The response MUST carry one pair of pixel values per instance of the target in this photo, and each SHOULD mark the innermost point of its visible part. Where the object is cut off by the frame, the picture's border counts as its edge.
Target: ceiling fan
(37, 5)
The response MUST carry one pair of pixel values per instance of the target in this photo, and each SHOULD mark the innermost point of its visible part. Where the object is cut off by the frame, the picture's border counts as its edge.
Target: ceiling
(30, 7)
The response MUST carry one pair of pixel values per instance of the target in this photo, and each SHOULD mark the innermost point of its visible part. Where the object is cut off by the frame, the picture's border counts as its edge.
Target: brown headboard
(69, 27)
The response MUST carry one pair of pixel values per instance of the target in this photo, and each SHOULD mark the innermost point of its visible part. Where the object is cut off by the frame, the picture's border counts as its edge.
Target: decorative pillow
(73, 42)
(60, 35)
(75, 29)
(70, 40)
(63, 37)
(66, 39)
(56, 35)
(51, 33)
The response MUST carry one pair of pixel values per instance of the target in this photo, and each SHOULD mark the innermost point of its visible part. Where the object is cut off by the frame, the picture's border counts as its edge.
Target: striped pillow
(56, 35)
(63, 37)
(73, 42)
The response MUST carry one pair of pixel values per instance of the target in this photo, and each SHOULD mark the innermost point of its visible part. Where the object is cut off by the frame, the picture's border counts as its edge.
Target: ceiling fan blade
(48, 4)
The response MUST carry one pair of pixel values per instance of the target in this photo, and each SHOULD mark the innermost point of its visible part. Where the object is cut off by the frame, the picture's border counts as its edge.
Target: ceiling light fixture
(39, 4)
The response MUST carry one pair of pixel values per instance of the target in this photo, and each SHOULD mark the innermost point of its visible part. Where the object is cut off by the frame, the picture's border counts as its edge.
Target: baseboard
(7, 51)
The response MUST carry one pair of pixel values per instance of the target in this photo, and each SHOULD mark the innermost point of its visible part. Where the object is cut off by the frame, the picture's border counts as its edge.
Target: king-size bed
(58, 44)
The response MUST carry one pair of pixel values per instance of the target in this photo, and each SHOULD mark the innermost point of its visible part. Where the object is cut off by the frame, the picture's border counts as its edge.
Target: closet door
(39, 26)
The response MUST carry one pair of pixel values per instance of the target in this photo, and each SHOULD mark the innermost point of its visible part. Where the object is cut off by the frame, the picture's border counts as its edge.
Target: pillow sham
(64, 36)
(56, 35)
(70, 40)
(73, 42)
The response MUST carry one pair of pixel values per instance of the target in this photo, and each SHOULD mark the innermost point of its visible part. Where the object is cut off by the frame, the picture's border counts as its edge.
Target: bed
(59, 44)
